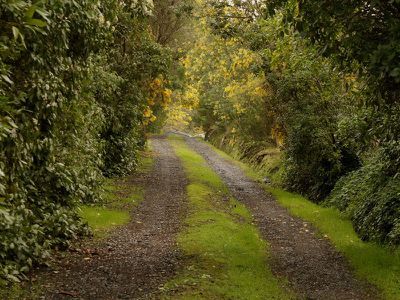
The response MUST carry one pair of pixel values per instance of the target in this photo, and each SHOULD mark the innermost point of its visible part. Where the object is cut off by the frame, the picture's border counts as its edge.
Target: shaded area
(138, 258)
(311, 264)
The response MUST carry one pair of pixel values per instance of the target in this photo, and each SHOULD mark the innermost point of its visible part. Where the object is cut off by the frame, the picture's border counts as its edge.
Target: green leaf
(36, 22)
(43, 14)
(13, 278)
(6, 78)
(29, 13)
(16, 32)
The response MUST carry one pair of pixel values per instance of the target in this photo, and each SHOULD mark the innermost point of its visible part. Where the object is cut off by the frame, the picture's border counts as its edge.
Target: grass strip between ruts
(225, 256)
(375, 263)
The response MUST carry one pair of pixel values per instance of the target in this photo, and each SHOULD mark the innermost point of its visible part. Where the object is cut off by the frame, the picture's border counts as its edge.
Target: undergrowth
(119, 196)
(266, 160)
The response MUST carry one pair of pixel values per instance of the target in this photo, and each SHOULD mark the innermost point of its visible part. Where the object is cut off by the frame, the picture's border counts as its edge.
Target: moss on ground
(226, 258)
(120, 195)
(375, 263)
(102, 219)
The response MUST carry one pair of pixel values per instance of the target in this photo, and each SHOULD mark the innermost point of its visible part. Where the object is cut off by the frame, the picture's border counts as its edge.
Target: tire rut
(315, 270)
(139, 257)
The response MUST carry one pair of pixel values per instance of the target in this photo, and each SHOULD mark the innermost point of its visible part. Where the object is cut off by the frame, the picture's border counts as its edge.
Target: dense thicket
(296, 75)
(80, 81)
(366, 33)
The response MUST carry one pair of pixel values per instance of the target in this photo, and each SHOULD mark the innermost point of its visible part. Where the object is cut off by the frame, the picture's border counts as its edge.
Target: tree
(364, 31)
(170, 17)
(75, 78)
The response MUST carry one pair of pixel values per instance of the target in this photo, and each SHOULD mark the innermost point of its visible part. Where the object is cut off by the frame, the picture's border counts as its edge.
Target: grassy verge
(120, 196)
(375, 263)
(378, 264)
(227, 259)
(266, 163)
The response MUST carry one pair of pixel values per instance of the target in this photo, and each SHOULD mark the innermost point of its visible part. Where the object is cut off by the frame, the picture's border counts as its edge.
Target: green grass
(226, 258)
(146, 160)
(102, 219)
(16, 291)
(249, 170)
(375, 263)
(120, 196)
(124, 195)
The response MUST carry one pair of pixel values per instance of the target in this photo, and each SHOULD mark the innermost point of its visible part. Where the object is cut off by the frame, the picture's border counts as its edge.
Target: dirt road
(315, 270)
(139, 257)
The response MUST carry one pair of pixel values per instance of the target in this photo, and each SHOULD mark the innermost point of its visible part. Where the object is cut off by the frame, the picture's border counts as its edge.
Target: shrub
(74, 80)
(370, 196)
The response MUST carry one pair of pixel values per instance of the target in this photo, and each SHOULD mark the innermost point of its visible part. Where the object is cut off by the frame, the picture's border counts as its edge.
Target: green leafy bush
(371, 198)
(74, 80)
(363, 37)
(330, 102)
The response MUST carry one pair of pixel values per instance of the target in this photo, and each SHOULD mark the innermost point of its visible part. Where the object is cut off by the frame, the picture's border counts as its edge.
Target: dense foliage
(76, 96)
(295, 75)
(81, 82)
(366, 34)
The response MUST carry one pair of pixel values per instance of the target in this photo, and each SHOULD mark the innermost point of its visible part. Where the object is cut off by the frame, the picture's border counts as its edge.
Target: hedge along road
(142, 260)
(314, 269)
(137, 258)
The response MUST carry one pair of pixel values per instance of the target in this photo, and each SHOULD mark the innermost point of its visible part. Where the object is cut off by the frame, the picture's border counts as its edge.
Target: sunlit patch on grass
(120, 196)
(100, 219)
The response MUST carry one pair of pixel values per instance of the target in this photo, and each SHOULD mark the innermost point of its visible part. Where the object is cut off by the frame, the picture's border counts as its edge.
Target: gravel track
(139, 257)
(315, 270)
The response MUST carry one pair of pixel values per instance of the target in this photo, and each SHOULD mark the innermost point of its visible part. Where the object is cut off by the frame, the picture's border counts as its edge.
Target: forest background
(308, 91)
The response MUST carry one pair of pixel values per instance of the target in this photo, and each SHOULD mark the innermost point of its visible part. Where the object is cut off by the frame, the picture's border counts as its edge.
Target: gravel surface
(315, 270)
(137, 258)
